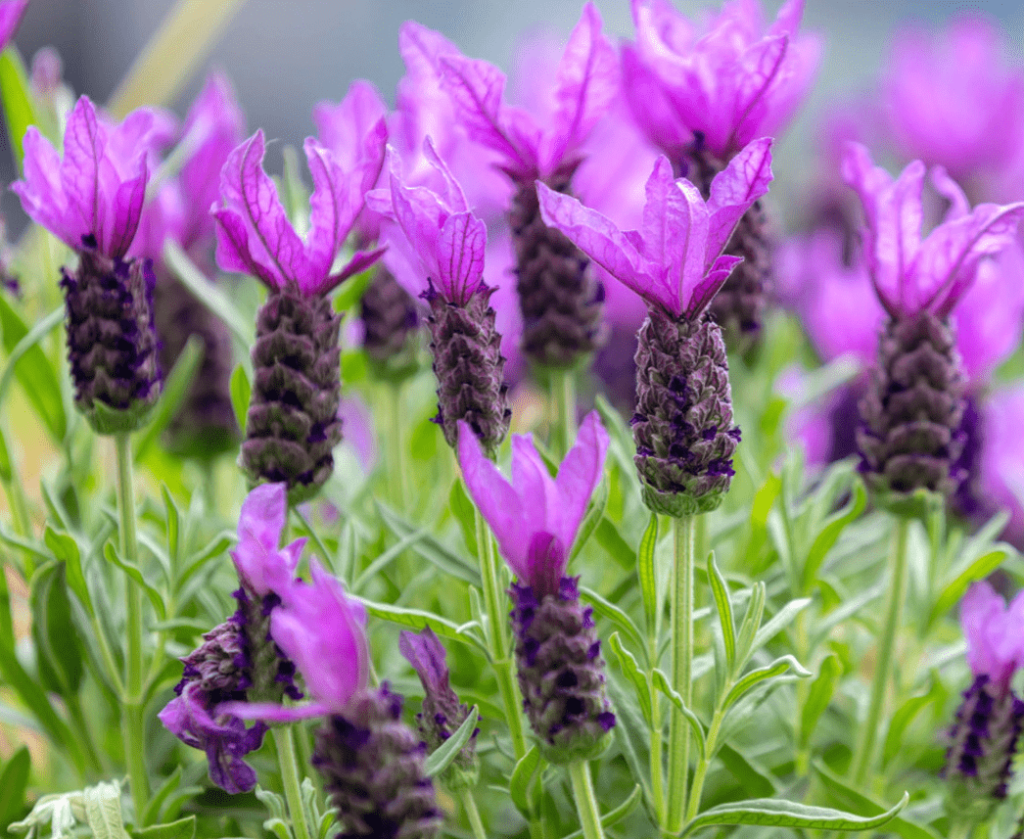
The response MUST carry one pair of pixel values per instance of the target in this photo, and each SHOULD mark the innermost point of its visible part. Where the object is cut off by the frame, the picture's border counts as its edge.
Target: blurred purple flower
(994, 642)
(675, 261)
(730, 80)
(11, 13)
(255, 236)
(262, 567)
(536, 517)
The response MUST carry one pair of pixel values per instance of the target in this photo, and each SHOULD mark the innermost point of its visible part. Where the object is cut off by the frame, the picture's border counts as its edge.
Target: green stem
(563, 411)
(285, 744)
(657, 734)
(472, 813)
(960, 830)
(682, 670)
(701, 770)
(863, 756)
(586, 803)
(497, 636)
(133, 719)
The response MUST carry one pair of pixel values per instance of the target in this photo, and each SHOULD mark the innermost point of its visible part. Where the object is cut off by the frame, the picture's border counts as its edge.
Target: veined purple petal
(733, 192)
(271, 712)
(579, 475)
(261, 566)
(424, 651)
(461, 247)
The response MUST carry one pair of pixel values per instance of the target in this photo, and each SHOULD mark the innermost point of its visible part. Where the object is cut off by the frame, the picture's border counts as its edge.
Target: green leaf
(521, 782)
(830, 533)
(103, 810)
(181, 829)
(352, 290)
(776, 812)
(417, 619)
(613, 817)
(54, 632)
(210, 295)
(818, 697)
(613, 613)
(154, 595)
(648, 575)
(13, 781)
(213, 549)
(779, 621)
(27, 362)
(769, 671)
(241, 392)
(903, 717)
(661, 683)
(979, 569)
(631, 671)
(65, 548)
(449, 749)
(754, 779)
(173, 525)
(430, 548)
(175, 389)
(609, 537)
(720, 590)
(6, 472)
(594, 516)
(19, 106)
(751, 622)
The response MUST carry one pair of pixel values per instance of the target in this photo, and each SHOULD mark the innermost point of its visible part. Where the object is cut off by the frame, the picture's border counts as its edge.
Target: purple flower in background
(953, 98)
(675, 261)
(535, 518)
(255, 236)
(994, 643)
(262, 567)
(11, 13)
(730, 80)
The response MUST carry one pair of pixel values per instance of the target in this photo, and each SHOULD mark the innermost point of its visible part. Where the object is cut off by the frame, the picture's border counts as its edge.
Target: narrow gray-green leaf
(631, 671)
(611, 612)
(154, 595)
(779, 621)
(720, 590)
(755, 677)
(613, 817)
(241, 392)
(522, 778)
(430, 548)
(648, 575)
(449, 749)
(661, 683)
(830, 534)
(594, 516)
(776, 812)
(819, 696)
(181, 829)
(417, 619)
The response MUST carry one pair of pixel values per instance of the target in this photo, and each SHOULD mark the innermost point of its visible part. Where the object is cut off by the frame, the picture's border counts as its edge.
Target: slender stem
(863, 756)
(657, 758)
(472, 813)
(283, 740)
(586, 803)
(133, 720)
(497, 636)
(701, 770)
(563, 411)
(682, 669)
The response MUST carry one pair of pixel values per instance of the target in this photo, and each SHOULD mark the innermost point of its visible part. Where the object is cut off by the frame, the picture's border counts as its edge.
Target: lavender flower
(92, 200)
(448, 241)
(442, 712)
(683, 423)
(292, 424)
(984, 738)
(560, 300)
(912, 412)
(535, 520)
(11, 13)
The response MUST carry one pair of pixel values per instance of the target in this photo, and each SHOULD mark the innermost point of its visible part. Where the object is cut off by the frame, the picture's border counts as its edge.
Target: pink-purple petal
(734, 190)
(579, 475)
(461, 246)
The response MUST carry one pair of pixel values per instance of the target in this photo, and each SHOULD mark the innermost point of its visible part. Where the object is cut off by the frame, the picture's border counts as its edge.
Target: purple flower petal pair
(448, 239)
(994, 642)
(262, 567)
(731, 81)
(675, 261)
(98, 188)
(912, 275)
(255, 236)
(537, 145)
(536, 517)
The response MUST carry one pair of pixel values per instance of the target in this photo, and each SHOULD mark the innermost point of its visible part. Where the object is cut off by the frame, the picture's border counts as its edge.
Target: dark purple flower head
(262, 567)
(537, 145)
(95, 193)
(994, 642)
(448, 239)
(255, 236)
(731, 80)
(675, 261)
(355, 132)
(912, 275)
(536, 517)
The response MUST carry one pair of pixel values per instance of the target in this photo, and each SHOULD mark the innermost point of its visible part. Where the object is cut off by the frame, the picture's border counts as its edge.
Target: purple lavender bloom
(262, 567)
(675, 261)
(536, 517)
(11, 13)
(995, 647)
(730, 80)
(953, 98)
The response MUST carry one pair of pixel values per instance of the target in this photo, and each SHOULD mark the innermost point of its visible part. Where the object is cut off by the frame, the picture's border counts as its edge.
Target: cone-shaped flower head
(92, 199)
(675, 261)
(984, 738)
(442, 712)
(292, 424)
(535, 519)
(730, 80)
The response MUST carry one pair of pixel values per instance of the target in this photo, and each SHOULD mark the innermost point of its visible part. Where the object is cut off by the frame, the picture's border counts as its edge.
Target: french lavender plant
(239, 660)
(91, 199)
(560, 299)
(292, 424)
(558, 654)
(701, 94)
(371, 762)
(984, 738)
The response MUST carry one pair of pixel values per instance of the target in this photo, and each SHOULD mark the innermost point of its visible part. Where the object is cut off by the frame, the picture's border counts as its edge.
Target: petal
(360, 261)
(336, 201)
(85, 141)
(345, 127)
(497, 501)
(579, 475)
(424, 651)
(733, 192)
(760, 70)
(534, 486)
(460, 253)
(127, 207)
(652, 107)
(951, 191)
(270, 712)
(602, 241)
(710, 284)
(982, 616)
(42, 192)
